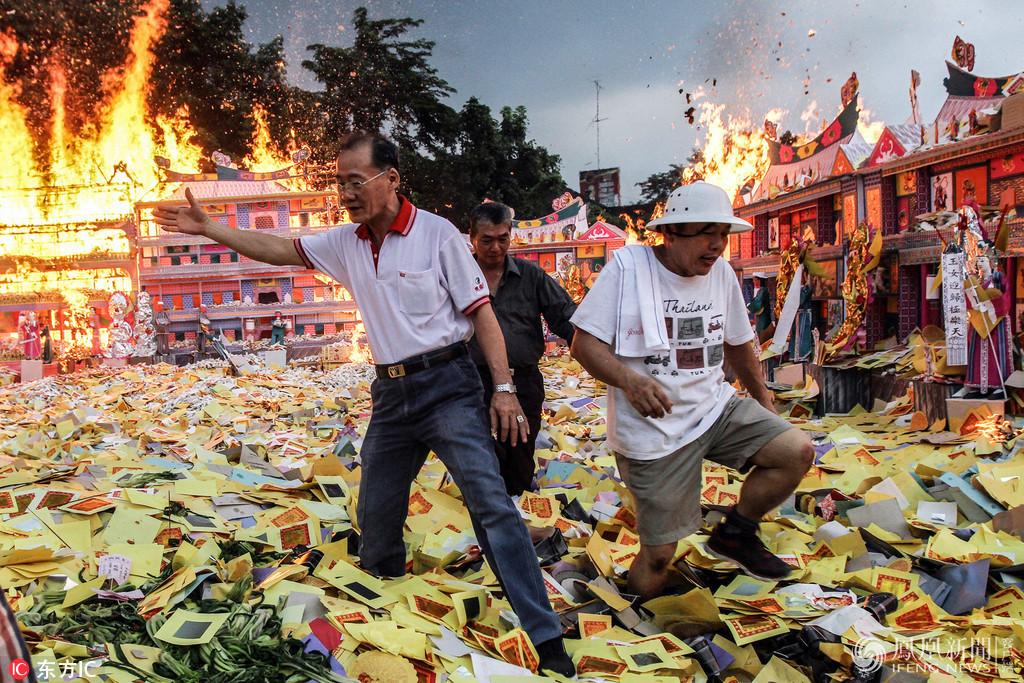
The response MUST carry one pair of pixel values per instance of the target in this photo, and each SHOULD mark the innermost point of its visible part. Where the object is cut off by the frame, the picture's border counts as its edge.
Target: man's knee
(791, 451)
(799, 453)
(806, 455)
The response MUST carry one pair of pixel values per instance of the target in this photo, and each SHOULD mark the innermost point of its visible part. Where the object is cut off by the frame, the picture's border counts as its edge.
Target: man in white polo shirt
(656, 327)
(421, 294)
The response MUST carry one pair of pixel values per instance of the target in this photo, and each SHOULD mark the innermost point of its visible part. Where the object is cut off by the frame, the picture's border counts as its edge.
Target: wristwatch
(508, 388)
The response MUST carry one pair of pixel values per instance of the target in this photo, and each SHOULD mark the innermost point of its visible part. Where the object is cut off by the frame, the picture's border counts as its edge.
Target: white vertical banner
(784, 325)
(954, 308)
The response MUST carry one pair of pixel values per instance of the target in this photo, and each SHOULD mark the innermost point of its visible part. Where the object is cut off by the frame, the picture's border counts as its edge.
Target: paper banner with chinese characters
(954, 308)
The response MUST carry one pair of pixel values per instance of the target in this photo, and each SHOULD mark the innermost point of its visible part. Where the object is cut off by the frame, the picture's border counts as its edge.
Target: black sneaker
(553, 657)
(748, 551)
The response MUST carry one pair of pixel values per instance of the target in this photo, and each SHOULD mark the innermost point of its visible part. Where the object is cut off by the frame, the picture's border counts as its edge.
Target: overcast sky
(546, 54)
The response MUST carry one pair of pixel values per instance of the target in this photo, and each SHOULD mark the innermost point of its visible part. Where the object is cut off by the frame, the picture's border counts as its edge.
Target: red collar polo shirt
(414, 291)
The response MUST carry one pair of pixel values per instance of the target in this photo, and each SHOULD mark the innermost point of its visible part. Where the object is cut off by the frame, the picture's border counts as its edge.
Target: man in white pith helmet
(656, 327)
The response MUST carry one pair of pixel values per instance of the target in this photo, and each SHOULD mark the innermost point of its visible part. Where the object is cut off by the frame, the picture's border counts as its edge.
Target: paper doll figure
(277, 329)
(989, 353)
(205, 332)
(801, 345)
(33, 347)
(760, 306)
(145, 333)
(121, 337)
(44, 335)
(161, 322)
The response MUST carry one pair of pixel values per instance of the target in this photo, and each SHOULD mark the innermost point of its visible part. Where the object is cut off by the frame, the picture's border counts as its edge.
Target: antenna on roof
(597, 119)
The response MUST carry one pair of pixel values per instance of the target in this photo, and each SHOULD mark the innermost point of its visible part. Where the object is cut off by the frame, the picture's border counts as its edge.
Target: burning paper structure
(67, 228)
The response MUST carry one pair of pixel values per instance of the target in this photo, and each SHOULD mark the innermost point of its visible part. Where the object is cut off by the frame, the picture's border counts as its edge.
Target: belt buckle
(396, 371)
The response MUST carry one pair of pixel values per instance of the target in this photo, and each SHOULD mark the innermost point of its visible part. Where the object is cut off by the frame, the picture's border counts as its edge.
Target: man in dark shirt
(521, 293)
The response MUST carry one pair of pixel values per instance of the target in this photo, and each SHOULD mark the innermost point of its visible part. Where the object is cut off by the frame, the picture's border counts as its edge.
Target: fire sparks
(734, 152)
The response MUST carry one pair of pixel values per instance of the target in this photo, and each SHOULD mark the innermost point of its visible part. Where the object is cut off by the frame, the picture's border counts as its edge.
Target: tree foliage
(658, 186)
(488, 159)
(204, 67)
(452, 159)
(74, 37)
(382, 83)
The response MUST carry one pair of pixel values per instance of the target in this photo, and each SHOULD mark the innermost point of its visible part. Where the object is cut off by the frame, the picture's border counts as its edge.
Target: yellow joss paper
(196, 487)
(190, 628)
(390, 637)
(145, 557)
(643, 657)
(82, 592)
(130, 525)
(778, 671)
(593, 624)
(751, 628)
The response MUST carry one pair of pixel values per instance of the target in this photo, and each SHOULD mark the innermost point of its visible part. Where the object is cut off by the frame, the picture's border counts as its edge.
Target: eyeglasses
(708, 229)
(357, 185)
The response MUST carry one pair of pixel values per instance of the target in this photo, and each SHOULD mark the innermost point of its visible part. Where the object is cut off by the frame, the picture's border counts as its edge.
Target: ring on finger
(520, 419)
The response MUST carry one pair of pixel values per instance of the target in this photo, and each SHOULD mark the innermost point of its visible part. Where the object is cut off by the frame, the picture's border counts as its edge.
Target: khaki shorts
(667, 490)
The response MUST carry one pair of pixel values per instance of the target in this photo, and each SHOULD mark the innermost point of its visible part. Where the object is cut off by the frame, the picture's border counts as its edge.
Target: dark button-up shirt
(524, 293)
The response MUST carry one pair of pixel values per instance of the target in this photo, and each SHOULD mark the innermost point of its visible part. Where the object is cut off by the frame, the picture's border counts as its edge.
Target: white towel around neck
(640, 327)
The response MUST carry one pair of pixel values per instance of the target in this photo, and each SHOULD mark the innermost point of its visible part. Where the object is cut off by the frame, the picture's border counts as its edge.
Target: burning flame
(264, 156)
(14, 131)
(636, 227)
(360, 352)
(868, 129)
(996, 428)
(70, 204)
(734, 152)
(96, 174)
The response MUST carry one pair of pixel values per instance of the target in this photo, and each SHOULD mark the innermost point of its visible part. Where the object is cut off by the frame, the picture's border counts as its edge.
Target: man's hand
(190, 221)
(507, 419)
(646, 396)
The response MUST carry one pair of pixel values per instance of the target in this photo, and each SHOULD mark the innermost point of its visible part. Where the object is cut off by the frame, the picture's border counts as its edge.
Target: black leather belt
(413, 365)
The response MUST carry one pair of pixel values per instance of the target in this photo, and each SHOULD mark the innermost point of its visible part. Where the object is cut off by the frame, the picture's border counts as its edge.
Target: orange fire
(264, 155)
(636, 227)
(869, 130)
(360, 352)
(65, 208)
(996, 428)
(734, 151)
(96, 174)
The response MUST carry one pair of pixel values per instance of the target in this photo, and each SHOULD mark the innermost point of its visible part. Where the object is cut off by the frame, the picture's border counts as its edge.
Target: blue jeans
(441, 409)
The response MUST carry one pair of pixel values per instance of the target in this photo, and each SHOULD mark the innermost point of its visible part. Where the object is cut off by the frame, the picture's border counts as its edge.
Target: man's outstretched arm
(259, 246)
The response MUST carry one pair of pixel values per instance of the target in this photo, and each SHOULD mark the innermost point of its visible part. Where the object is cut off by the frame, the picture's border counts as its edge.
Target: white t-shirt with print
(701, 314)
